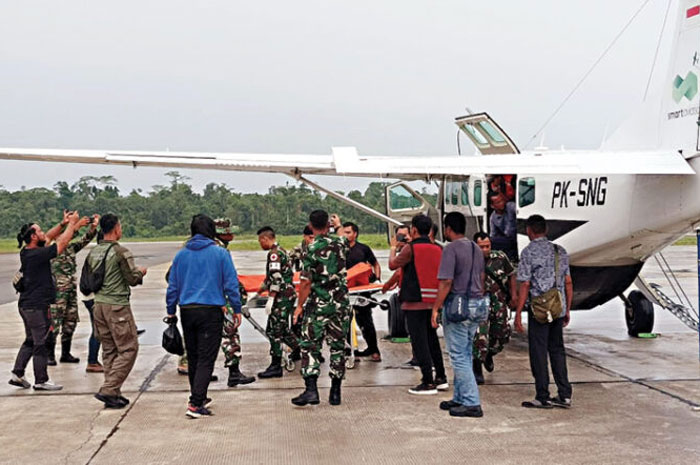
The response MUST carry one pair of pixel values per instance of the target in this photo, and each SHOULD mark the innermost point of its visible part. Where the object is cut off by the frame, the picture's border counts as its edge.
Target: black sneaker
(424, 390)
(19, 381)
(465, 411)
(441, 384)
(110, 401)
(448, 404)
(197, 412)
(123, 400)
(537, 404)
(208, 403)
(560, 402)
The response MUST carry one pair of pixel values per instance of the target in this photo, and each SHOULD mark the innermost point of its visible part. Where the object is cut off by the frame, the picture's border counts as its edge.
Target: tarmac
(633, 398)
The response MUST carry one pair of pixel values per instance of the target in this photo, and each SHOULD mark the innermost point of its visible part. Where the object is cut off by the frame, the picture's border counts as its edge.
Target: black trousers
(36, 329)
(202, 327)
(425, 344)
(363, 316)
(547, 339)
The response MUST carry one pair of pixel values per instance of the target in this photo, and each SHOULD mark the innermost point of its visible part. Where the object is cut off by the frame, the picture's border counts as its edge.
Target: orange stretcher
(358, 280)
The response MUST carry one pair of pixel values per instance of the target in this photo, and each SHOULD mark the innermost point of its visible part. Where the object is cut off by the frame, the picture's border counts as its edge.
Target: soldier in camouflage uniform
(64, 312)
(279, 282)
(231, 339)
(494, 333)
(323, 300)
(296, 255)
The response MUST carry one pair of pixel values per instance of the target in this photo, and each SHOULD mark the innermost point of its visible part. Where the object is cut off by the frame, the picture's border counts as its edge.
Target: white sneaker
(19, 381)
(47, 386)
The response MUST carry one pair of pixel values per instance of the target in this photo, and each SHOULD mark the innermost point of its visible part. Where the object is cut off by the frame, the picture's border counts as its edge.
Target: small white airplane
(612, 209)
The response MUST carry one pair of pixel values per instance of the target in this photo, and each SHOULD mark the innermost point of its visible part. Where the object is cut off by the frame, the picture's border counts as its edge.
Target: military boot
(334, 396)
(51, 348)
(274, 370)
(310, 394)
(235, 377)
(66, 356)
(478, 372)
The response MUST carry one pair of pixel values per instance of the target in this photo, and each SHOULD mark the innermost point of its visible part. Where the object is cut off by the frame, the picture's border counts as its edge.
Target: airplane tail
(670, 116)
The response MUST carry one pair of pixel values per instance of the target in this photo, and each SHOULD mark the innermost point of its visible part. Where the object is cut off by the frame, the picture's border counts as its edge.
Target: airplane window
(400, 198)
(477, 193)
(526, 191)
(493, 133)
(448, 192)
(455, 193)
(465, 193)
(476, 136)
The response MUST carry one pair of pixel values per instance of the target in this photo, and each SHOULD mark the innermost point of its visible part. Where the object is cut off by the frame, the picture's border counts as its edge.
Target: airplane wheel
(397, 320)
(290, 365)
(639, 314)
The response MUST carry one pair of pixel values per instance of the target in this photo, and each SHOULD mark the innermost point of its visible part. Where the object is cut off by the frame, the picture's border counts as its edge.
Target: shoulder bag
(548, 306)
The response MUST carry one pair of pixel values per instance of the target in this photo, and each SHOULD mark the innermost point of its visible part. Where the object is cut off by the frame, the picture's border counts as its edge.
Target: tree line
(166, 210)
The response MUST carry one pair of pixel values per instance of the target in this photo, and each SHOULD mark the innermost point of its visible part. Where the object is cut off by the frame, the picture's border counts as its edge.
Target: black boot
(51, 348)
(274, 370)
(310, 394)
(235, 377)
(478, 372)
(66, 357)
(488, 363)
(334, 397)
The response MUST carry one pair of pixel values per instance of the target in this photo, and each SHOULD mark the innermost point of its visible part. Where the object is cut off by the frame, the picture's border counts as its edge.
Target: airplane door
(466, 195)
(403, 203)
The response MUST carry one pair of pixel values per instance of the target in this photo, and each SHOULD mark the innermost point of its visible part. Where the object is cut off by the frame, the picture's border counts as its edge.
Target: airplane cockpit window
(526, 191)
(400, 198)
(465, 193)
(493, 133)
(477, 193)
(477, 137)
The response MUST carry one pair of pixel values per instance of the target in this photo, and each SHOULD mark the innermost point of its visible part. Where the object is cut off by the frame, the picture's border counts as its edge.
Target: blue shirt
(537, 268)
(202, 274)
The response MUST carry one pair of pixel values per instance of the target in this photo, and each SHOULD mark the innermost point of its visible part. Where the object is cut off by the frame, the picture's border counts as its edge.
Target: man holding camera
(37, 291)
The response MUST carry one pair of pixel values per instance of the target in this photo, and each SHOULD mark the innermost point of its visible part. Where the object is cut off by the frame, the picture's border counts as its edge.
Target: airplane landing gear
(639, 313)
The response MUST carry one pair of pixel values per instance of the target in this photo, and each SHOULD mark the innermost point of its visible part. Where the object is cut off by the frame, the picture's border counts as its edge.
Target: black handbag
(172, 340)
(91, 280)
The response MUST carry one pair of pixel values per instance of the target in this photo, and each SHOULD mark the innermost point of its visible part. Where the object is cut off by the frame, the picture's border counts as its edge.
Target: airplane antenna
(590, 70)
(656, 54)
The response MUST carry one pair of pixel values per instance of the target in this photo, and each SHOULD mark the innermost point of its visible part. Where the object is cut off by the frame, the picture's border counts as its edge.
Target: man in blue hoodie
(202, 280)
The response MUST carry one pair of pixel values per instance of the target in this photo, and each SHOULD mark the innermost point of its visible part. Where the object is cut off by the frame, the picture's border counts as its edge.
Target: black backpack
(91, 280)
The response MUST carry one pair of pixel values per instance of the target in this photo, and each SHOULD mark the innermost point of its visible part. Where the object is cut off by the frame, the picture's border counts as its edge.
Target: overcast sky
(300, 77)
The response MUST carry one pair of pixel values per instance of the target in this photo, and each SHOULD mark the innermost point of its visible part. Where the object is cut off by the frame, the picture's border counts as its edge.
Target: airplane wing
(345, 161)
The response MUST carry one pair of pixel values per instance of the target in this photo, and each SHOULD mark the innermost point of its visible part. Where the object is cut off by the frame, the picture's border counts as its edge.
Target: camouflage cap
(224, 226)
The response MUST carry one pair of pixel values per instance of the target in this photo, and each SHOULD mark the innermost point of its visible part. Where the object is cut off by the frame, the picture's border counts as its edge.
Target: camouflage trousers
(230, 340)
(333, 327)
(64, 313)
(278, 330)
(494, 333)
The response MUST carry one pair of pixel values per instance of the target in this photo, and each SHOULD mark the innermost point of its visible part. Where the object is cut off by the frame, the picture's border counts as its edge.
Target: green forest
(166, 210)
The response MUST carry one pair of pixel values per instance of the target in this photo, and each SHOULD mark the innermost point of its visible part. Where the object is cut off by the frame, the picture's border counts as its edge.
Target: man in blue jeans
(462, 272)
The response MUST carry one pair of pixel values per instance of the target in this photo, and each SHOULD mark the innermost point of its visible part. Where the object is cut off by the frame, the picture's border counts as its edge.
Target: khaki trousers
(116, 330)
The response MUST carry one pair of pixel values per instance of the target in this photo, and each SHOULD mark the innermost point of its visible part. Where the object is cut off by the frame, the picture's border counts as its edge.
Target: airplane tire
(397, 320)
(639, 314)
